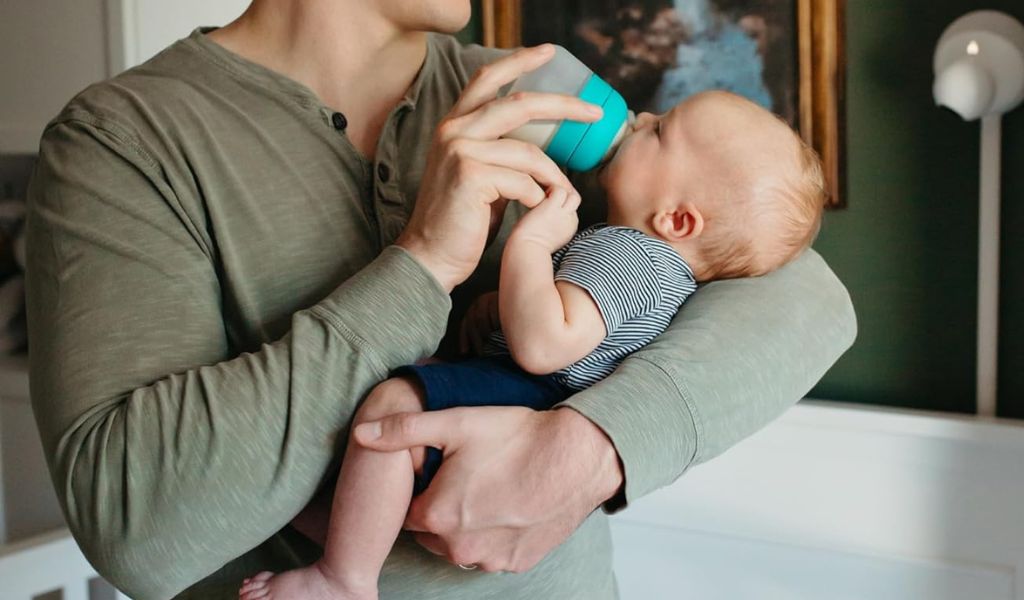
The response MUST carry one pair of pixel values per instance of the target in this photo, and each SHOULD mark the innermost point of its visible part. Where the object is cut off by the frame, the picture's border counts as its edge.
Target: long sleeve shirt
(213, 288)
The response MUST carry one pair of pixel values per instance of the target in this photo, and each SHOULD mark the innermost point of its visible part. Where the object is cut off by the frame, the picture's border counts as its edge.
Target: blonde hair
(792, 211)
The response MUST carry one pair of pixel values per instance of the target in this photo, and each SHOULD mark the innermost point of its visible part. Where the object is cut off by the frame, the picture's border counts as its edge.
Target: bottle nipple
(624, 130)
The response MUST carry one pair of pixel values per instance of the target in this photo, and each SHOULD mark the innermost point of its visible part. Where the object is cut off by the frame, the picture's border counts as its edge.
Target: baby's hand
(553, 222)
(480, 321)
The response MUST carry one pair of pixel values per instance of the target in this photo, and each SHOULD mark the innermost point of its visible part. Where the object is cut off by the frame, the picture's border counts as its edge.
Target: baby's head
(727, 183)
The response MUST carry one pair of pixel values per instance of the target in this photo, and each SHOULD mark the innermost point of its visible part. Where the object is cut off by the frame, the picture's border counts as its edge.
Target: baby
(716, 188)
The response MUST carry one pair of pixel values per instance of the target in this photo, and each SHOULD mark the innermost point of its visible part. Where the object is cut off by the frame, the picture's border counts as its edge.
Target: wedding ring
(467, 567)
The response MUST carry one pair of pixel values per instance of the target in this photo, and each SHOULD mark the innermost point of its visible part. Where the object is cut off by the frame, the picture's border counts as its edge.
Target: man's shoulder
(464, 59)
(135, 102)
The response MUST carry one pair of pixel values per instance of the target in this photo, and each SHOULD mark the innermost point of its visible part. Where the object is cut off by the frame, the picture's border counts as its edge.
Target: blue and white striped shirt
(638, 283)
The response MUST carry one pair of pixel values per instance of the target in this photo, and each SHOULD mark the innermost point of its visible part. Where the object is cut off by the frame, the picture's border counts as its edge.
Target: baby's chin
(606, 171)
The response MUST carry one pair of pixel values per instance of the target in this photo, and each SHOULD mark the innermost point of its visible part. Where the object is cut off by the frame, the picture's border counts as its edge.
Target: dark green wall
(472, 33)
(907, 245)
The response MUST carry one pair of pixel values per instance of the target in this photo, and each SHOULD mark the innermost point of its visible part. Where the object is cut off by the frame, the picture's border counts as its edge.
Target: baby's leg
(371, 500)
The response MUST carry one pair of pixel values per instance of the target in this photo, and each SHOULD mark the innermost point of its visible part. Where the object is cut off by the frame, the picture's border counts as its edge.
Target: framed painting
(786, 55)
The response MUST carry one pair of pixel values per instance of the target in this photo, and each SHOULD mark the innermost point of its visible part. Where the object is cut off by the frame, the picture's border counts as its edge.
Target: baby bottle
(574, 144)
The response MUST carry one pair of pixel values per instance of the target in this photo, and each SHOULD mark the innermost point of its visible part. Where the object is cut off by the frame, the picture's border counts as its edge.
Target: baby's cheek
(613, 175)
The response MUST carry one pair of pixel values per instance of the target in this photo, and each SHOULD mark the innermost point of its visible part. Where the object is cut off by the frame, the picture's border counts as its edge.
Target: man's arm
(738, 354)
(171, 456)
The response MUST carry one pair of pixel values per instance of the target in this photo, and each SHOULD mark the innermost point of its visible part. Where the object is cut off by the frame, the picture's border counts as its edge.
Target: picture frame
(812, 95)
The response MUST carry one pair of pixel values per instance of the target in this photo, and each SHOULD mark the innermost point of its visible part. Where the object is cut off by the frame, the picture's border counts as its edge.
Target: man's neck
(353, 58)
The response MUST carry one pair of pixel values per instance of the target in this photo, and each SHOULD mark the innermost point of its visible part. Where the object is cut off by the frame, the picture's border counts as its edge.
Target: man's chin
(453, 26)
(439, 16)
(449, 21)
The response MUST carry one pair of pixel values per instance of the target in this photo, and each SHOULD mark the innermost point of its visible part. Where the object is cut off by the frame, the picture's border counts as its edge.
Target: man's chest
(288, 218)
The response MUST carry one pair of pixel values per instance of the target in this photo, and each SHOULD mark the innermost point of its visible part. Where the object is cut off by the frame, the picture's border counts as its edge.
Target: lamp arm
(988, 266)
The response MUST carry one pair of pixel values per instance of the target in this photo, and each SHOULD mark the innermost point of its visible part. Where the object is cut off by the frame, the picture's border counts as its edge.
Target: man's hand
(552, 223)
(514, 484)
(480, 322)
(469, 168)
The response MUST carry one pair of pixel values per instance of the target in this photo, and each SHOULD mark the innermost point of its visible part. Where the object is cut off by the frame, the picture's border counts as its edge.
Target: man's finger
(513, 185)
(518, 156)
(403, 431)
(558, 195)
(490, 78)
(505, 114)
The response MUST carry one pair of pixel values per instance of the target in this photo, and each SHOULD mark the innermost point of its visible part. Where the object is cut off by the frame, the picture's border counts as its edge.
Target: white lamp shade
(966, 87)
(979, 65)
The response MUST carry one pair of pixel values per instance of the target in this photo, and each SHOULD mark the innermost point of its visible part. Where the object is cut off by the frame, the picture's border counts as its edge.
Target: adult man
(231, 244)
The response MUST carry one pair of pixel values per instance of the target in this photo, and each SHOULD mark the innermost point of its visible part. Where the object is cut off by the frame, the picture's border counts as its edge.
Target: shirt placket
(389, 201)
(361, 169)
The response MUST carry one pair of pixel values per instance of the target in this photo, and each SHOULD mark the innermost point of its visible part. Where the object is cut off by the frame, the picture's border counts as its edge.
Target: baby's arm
(547, 325)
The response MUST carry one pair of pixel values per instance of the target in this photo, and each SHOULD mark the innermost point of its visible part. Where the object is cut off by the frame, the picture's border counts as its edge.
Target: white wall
(52, 49)
(148, 26)
(28, 504)
(49, 49)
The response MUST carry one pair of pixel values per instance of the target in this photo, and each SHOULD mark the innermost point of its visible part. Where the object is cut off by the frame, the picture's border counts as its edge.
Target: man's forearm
(739, 353)
(165, 475)
(591, 441)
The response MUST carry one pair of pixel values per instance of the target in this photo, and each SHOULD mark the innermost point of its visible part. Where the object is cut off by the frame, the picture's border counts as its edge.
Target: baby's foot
(309, 583)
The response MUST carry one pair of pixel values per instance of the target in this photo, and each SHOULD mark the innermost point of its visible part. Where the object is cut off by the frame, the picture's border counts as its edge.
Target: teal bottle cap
(581, 146)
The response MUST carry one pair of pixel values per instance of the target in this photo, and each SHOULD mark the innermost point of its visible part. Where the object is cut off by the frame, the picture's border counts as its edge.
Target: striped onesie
(638, 283)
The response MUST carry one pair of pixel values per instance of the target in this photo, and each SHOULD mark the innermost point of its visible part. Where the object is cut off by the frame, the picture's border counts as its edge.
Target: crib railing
(46, 564)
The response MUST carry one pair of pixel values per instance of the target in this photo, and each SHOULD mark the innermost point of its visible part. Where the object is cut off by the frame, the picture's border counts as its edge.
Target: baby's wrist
(526, 241)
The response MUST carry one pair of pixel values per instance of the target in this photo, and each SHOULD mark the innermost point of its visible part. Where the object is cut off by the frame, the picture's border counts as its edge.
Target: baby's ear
(680, 223)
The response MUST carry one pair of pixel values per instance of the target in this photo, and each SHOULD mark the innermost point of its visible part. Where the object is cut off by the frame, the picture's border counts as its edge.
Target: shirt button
(339, 121)
(383, 172)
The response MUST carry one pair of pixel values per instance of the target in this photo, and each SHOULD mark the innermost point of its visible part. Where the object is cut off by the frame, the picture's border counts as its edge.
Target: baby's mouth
(625, 140)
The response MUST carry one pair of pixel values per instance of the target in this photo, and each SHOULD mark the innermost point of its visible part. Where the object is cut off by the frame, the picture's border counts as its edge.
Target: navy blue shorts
(489, 381)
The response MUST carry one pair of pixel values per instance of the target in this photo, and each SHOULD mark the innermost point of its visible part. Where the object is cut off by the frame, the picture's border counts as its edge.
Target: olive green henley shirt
(212, 289)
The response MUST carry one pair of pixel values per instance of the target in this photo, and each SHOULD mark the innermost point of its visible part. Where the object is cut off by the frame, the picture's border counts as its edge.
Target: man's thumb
(367, 433)
(403, 431)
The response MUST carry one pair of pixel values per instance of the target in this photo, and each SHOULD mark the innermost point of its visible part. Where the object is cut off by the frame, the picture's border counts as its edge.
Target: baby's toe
(256, 588)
